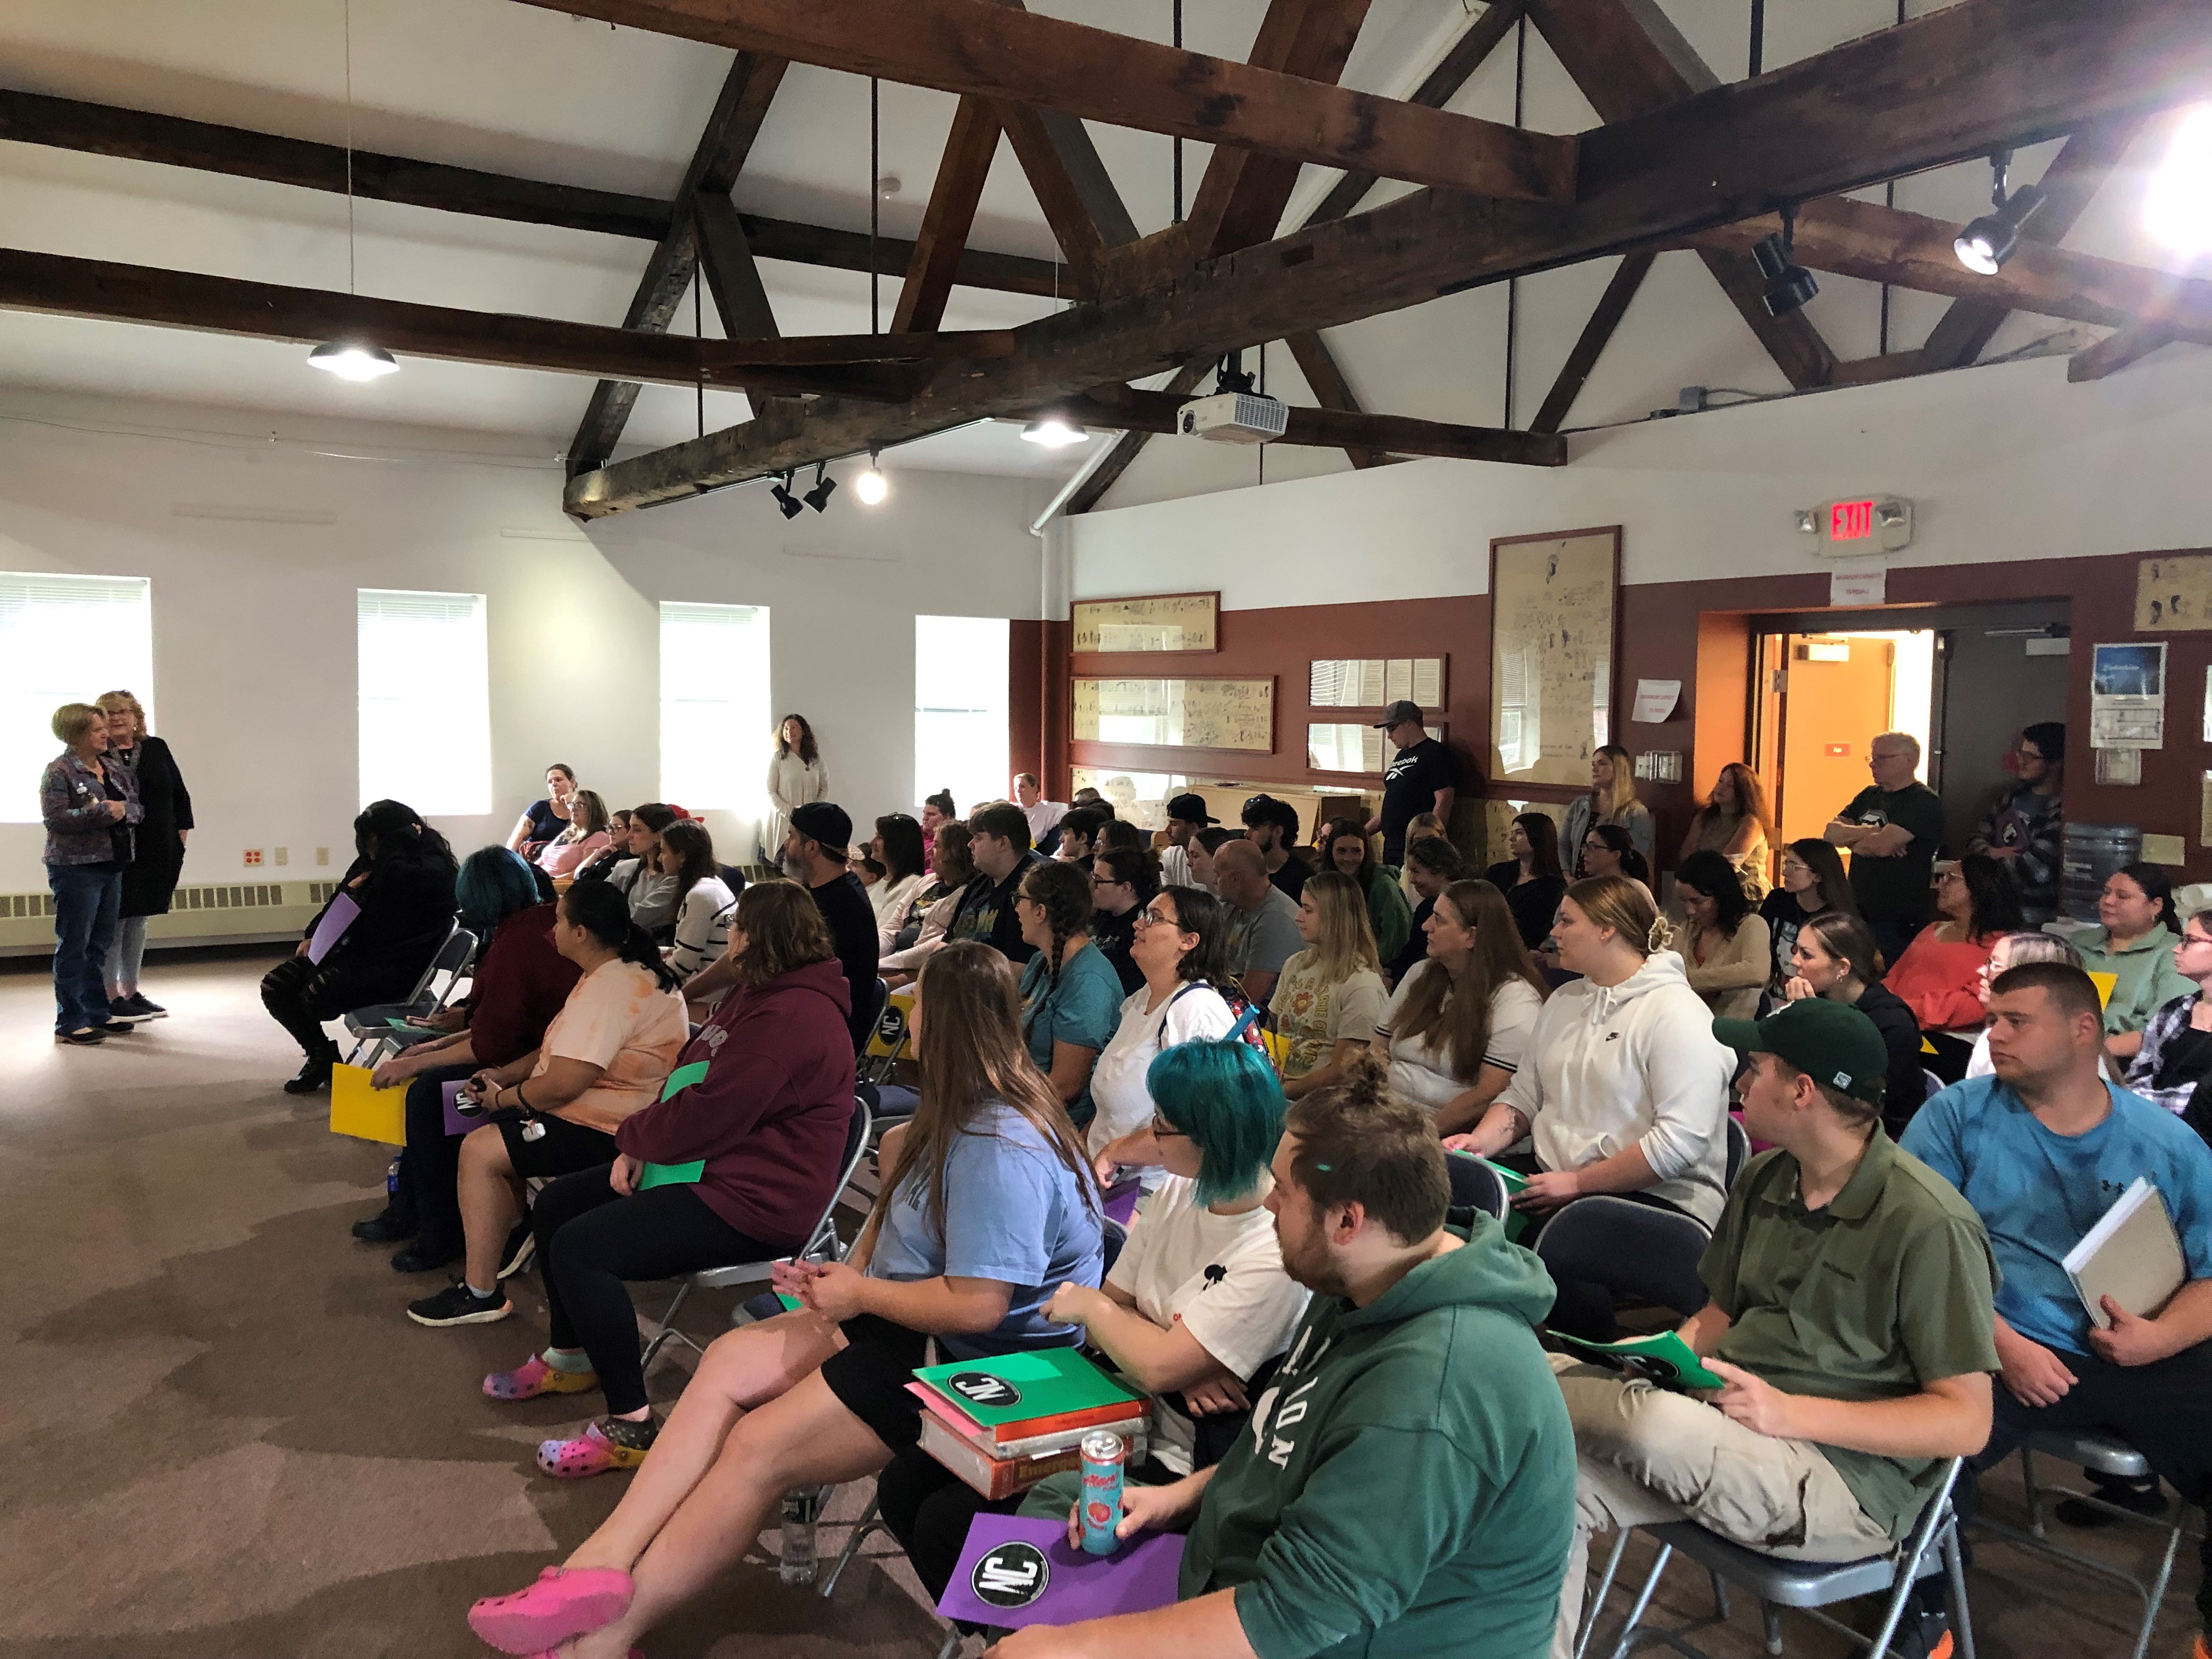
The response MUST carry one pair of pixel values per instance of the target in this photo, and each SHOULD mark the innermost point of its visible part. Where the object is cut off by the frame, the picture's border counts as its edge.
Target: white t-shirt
(1420, 1067)
(1117, 1081)
(1220, 1276)
(1313, 1016)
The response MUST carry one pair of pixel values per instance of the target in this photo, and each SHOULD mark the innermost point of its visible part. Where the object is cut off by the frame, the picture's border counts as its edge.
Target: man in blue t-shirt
(2042, 1149)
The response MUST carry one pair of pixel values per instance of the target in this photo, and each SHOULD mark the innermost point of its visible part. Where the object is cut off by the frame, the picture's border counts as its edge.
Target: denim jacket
(75, 807)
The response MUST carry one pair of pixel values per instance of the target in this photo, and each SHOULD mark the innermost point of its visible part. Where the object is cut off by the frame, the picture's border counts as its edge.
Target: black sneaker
(2137, 1500)
(424, 1256)
(457, 1305)
(120, 1008)
(315, 1077)
(1922, 1635)
(116, 1028)
(389, 1225)
(521, 1250)
(85, 1036)
(141, 1008)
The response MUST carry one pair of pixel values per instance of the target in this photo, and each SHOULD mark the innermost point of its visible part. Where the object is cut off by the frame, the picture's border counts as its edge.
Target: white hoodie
(1636, 1064)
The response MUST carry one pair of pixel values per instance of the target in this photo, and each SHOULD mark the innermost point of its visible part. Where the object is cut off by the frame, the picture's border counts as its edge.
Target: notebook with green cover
(1664, 1359)
(1003, 1389)
(674, 1174)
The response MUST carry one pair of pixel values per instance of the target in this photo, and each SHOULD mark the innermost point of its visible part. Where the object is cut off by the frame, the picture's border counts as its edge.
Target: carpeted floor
(230, 1442)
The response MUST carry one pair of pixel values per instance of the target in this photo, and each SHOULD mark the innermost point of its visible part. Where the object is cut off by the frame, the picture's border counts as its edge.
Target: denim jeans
(126, 954)
(86, 899)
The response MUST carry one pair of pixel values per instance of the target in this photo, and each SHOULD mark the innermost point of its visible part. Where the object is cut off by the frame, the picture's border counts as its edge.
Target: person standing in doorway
(1892, 829)
(2025, 825)
(1421, 778)
(796, 776)
(159, 850)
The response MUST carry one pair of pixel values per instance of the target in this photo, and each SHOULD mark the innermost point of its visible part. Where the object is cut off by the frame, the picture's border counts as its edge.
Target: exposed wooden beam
(976, 48)
(2116, 351)
(846, 365)
(1330, 428)
(1629, 60)
(1131, 443)
(1954, 83)
(725, 260)
(1332, 391)
(2067, 183)
(968, 149)
(735, 122)
(1071, 186)
(1591, 344)
(847, 250)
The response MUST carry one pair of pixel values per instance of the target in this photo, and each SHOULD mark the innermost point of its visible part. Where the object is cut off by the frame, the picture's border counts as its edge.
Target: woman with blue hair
(519, 983)
(1196, 1304)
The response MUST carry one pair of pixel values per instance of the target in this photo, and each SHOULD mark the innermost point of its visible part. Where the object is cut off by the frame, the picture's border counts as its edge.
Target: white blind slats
(960, 706)
(63, 639)
(713, 709)
(425, 688)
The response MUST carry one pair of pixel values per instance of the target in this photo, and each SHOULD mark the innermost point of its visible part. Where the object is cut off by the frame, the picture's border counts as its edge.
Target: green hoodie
(1407, 1485)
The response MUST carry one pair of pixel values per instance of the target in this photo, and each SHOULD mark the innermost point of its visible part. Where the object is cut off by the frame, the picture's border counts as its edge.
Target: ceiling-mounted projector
(1234, 417)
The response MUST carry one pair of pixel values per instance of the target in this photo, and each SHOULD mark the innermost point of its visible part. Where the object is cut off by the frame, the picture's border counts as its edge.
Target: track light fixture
(1988, 241)
(1789, 284)
(787, 503)
(1055, 432)
(824, 486)
(871, 487)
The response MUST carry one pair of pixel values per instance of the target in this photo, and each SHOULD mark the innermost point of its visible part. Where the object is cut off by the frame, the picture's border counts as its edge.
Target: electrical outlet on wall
(253, 858)
(322, 855)
(283, 855)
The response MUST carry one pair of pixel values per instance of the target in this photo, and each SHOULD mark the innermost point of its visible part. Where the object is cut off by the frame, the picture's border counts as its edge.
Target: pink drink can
(1104, 1458)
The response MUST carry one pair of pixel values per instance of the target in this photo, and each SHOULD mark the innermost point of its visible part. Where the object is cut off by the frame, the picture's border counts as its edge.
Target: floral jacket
(75, 807)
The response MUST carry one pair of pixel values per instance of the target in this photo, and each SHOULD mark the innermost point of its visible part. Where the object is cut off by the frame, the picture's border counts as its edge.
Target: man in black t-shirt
(1892, 829)
(999, 844)
(1421, 779)
(1272, 826)
(815, 849)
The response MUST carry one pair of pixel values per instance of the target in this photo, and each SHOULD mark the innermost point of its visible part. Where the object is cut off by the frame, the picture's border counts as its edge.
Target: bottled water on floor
(801, 1509)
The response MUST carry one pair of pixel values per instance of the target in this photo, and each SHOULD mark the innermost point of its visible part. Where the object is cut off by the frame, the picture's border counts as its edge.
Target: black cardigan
(151, 881)
(407, 909)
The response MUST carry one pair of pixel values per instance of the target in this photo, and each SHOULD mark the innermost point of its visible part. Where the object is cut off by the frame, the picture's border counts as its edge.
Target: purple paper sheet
(1120, 1206)
(336, 920)
(1136, 1578)
(455, 1123)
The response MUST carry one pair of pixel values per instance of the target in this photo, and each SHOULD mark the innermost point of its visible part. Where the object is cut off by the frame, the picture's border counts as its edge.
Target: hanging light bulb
(2178, 206)
(872, 486)
(350, 360)
(1055, 432)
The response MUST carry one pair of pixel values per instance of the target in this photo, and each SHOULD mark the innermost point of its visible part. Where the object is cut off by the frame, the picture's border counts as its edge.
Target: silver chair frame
(369, 1038)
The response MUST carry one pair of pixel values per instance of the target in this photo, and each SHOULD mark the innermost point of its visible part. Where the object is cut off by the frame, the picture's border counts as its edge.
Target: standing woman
(795, 777)
(1812, 883)
(1344, 849)
(1834, 959)
(548, 818)
(158, 856)
(2135, 946)
(585, 836)
(1457, 1029)
(90, 807)
(1612, 800)
(1728, 953)
(1531, 879)
(1734, 823)
(1330, 998)
(1071, 995)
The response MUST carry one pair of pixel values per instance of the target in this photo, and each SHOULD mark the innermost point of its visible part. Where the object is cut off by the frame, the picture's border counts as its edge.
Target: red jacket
(771, 1116)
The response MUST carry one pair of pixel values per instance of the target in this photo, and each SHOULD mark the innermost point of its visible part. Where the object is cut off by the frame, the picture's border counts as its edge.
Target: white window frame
(716, 726)
(64, 638)
(422, 688)
(962, 714)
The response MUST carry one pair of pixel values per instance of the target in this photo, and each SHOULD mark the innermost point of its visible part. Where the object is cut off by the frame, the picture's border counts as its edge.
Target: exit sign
(1851, 521)
(1859, 527)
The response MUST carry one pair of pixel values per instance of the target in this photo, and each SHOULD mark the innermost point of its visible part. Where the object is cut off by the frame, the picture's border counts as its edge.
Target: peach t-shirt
(618, 1018)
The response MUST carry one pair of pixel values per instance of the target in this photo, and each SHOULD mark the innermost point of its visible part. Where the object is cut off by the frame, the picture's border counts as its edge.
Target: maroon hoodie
(771, 1116)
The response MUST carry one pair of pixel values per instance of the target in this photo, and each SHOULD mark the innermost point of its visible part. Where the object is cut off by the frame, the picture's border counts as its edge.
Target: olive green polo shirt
(1887, 1288)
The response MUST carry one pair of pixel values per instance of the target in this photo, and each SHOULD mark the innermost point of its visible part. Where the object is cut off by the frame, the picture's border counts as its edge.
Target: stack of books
(1005, 1422)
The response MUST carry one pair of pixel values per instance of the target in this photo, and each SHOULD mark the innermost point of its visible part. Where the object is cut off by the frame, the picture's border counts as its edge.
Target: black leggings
(301, 994)
(432, 1171)
(591, 1242)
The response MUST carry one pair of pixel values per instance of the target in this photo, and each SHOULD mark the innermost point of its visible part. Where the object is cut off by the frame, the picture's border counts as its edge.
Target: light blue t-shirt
(1013, 1212)
(2038, 1193)
(1085, 1010)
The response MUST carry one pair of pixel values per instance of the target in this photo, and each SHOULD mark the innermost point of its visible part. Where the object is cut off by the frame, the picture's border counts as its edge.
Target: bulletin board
(1190, 713)
(1554, 606)
(1162, 622)
(2174, 593)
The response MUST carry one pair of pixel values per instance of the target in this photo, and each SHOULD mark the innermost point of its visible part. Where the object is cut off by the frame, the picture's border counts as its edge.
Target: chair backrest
(458, 939)
(877, 1001)
(1935, 1084)
(1475, 1184)
(890, 1040)
(1112, 1237)
(1738, 1149)
(856, 1144)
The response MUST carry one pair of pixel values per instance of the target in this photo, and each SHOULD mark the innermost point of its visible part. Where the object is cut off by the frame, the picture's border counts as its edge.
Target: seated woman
(1836, 960)
(1726, 948)
(1531, 879)
(402, 878)
(896, 846)
(2177, 1046)
(922, 935)
(2032, 946)
(687, 855)
(1457, 1028)
(605, 1055)
(1432, 866)
(639, 878)
(545, 819)
(2135, 945)
(600, 865)
(1071, 995)
(583, 838)
(1610, 850)
(1182, 946)
(1625, 1094)
(935, 809)
(1422, 826)
(1330, 998)
(1200, 851)
(519, 985)
(1734, 823)
(1193, 1308)
(769, 1120)
(1122, 883)
(1812, 882)
(1939, 976)
(987, 1210)
(1343, 846)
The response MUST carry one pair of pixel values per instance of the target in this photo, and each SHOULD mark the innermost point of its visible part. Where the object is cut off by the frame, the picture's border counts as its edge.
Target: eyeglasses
(1145, 919)
(1107, 881)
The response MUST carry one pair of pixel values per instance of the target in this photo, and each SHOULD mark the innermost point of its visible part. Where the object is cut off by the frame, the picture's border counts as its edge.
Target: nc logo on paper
(981, 1388)
(1012, 1576)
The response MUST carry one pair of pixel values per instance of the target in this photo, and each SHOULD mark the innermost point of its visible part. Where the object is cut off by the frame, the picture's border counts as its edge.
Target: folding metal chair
(1475, 1185)
(371, 1028)
(1738, 1150)
(822, 1244)
(2098, 1454)
(1932, 1546)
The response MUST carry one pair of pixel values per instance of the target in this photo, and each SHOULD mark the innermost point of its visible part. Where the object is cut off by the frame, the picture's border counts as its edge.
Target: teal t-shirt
(1083, 1008)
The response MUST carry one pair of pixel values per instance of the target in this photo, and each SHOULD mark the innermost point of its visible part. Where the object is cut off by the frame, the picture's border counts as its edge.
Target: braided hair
(1063, 892)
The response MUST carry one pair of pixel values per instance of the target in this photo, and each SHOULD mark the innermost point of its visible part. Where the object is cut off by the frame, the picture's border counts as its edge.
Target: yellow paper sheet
(365, 1113)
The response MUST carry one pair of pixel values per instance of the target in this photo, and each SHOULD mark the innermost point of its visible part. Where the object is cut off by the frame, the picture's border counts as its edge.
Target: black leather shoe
(315, 1078)
(388, 1226)
(422, 1258)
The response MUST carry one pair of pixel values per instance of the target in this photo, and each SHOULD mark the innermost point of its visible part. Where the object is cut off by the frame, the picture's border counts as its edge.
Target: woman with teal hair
(1195, 1305)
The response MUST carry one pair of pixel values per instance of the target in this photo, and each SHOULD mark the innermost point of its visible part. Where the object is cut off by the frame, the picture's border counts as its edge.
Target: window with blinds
(716, 729)
(960, 708)
(63, 639)
(425, 700)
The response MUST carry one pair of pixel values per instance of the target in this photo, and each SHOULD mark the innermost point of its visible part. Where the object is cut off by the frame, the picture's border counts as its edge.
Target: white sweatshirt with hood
(1634, 1065)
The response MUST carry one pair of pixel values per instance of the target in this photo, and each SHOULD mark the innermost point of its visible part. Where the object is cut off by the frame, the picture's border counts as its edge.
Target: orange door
(1835, 700)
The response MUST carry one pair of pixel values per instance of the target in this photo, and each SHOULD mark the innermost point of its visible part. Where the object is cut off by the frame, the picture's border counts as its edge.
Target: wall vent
(254, 896)
(13, 905)
(320, 892)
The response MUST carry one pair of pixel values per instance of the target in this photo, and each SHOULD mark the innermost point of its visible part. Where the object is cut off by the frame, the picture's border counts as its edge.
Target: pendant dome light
(351, 360)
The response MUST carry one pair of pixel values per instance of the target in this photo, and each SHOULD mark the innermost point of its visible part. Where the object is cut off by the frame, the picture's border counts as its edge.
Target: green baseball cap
(1830, 1042)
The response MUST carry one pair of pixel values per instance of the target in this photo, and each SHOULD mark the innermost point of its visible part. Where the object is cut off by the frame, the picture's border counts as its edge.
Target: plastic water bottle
(392, 1180)
(801, 1509)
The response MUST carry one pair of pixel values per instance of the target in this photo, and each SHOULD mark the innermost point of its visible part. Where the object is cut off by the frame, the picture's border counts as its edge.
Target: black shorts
(565, 1148)
(869, 1376)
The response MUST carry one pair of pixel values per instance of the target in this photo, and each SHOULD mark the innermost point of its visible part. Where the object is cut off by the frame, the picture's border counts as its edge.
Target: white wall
(254, 622)
(2005, 462)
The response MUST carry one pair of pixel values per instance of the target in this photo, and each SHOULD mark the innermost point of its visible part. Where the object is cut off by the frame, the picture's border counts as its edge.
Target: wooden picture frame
(1261, 688)
(1555, 644)
(1091, 619)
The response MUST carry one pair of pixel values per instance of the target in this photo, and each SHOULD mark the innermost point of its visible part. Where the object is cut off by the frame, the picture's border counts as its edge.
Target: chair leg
(1720, 1596)
(1962, 1616)
(1901, 1596)
(2034, 1492)
(1594, 1603)
(2156, 1593)
(861, 1529)
(1771, 1616)
(667, 1330)
(1643, 1600)
(950, 1645)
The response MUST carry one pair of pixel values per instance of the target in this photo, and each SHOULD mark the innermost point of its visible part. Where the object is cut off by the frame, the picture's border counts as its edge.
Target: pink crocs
(534, 1377)
(609, 1443)
(560, 1607)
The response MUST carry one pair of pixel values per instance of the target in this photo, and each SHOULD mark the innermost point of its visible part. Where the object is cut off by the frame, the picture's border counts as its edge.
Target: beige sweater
(1734, 970)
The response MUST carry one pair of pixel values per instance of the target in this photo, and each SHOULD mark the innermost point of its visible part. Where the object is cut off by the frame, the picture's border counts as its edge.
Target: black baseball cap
(824, 822)
(1830, 1042)
(1191, 809)
(1398, 714)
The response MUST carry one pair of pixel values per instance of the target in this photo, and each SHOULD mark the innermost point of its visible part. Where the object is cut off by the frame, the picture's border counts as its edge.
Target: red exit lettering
(1837, 751)
(1850, 522)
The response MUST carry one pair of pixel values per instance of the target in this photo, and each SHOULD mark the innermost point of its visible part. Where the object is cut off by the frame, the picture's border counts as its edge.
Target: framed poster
(1159, 622)
(1554, 606)
(2174, 593)
(1192, 713)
